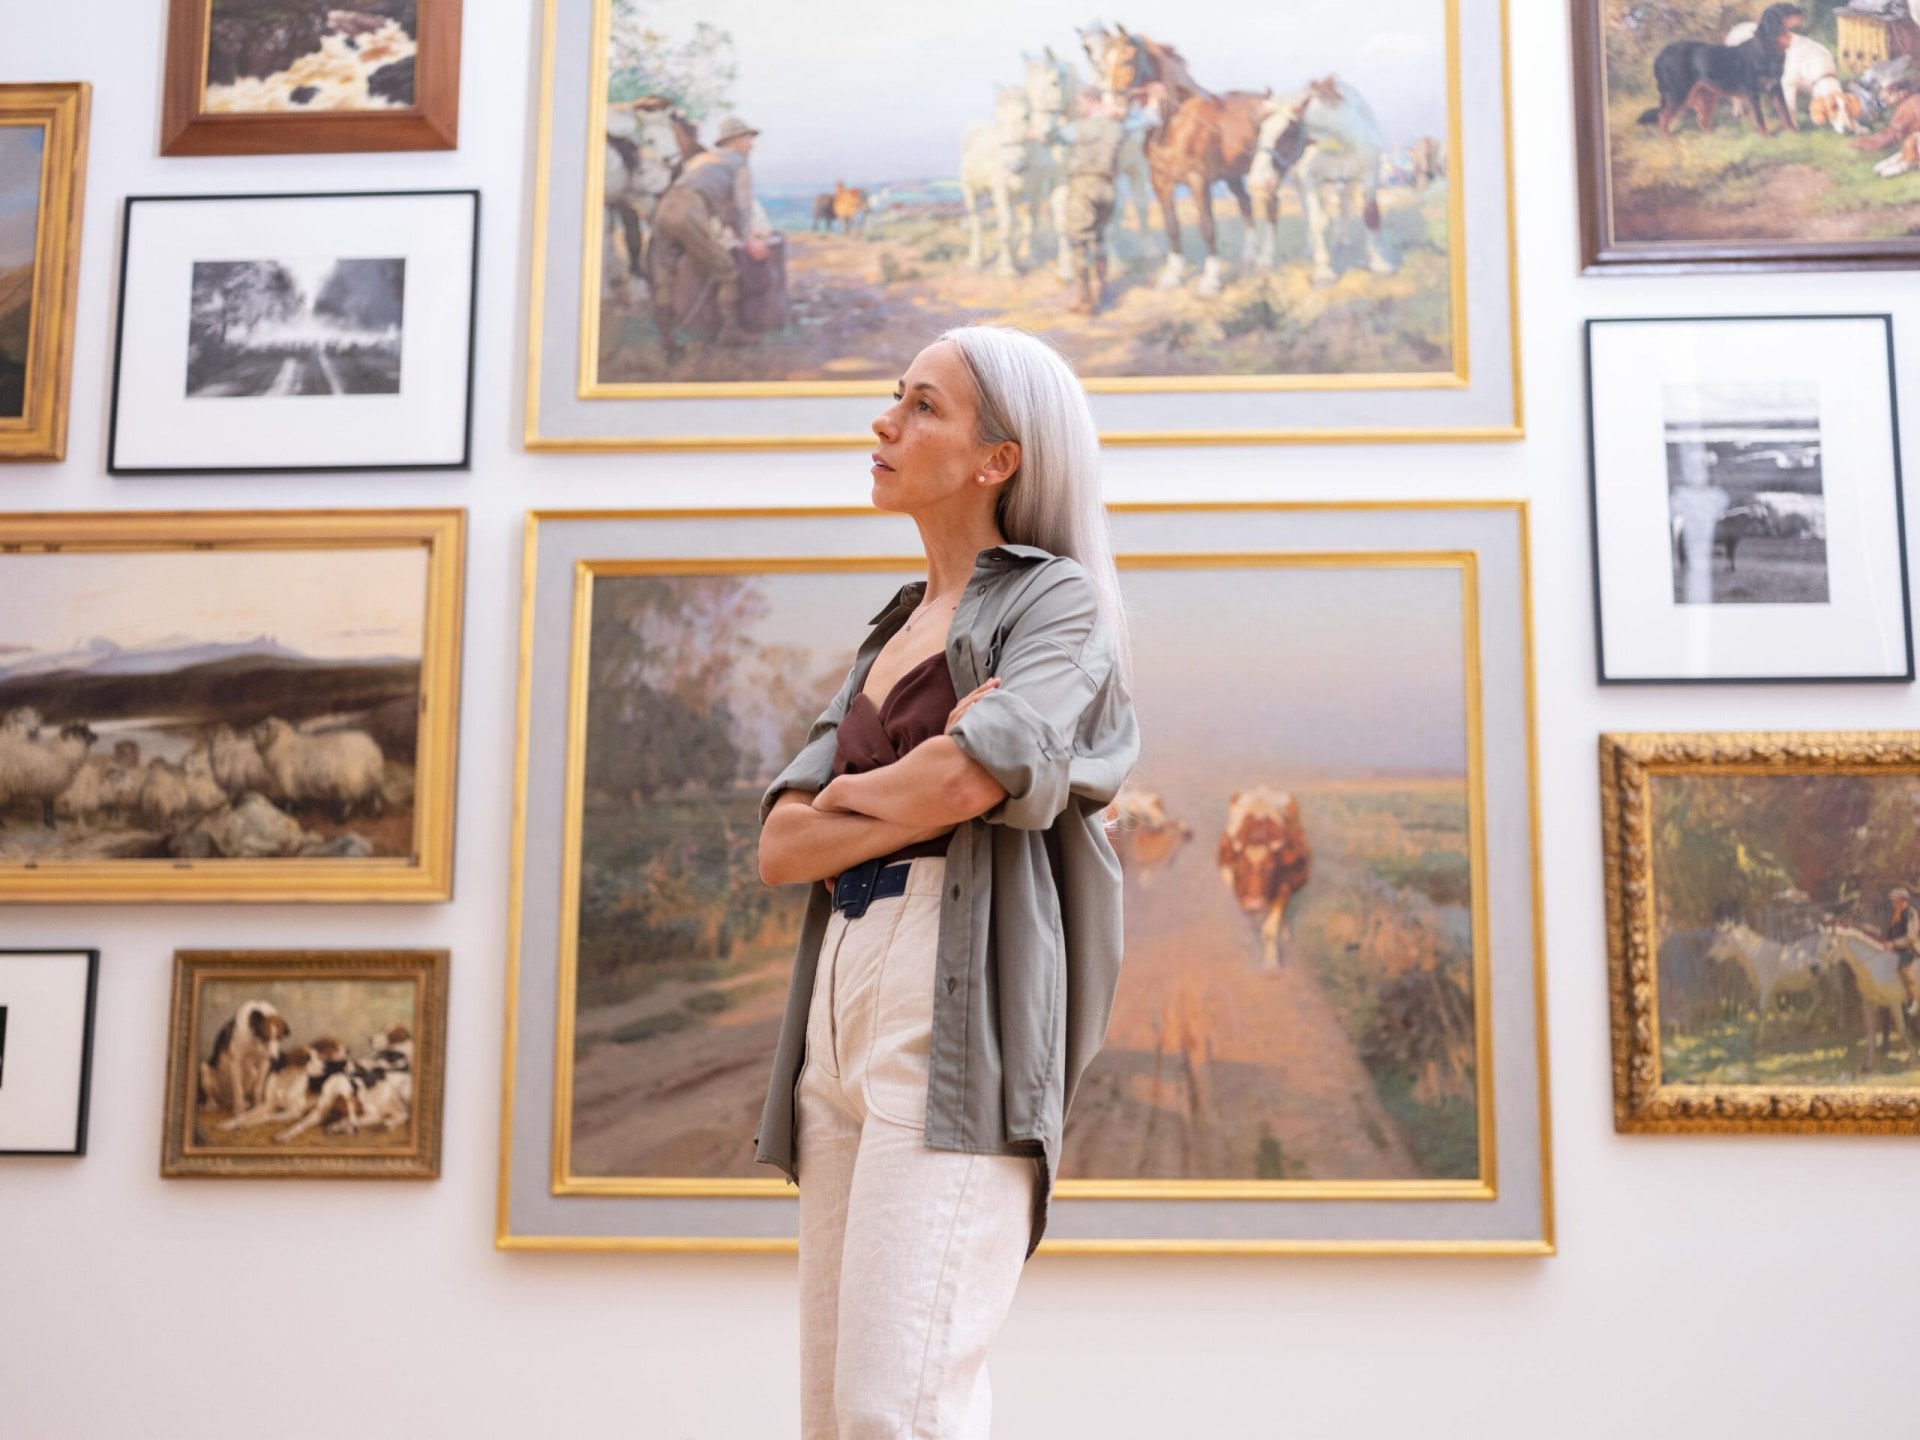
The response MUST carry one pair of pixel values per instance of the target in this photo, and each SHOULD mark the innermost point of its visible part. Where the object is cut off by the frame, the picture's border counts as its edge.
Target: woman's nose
(883, 424)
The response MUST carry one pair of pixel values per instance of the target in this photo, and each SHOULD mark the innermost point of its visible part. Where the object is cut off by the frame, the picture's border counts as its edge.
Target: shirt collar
(910, 594)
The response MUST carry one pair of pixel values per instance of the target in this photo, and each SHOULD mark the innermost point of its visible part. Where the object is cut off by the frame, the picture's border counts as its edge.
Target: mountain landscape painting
(210, 704)
(21, 147)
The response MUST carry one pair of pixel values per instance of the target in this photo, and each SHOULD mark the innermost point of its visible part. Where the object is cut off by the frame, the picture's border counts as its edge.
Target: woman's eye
(926, 407)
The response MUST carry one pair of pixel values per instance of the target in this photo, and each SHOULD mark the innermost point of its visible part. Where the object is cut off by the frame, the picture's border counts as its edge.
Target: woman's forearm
(935, 783)
(799, 843)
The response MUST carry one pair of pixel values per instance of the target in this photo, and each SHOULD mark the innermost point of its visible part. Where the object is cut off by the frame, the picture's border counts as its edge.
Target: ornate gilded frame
(543, 1204)
(1642, 1102)
(180, 1158)
(61, 112)
(424, 875)
(568, 409)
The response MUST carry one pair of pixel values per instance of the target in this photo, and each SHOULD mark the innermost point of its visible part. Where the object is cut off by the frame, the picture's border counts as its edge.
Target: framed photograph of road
(1747, 513)
(43, 171)
(1742, 134)
(269, 77)
(225, 705)
(295, 332)
(1762, 935)
(1286, 223)
(1326, 1035)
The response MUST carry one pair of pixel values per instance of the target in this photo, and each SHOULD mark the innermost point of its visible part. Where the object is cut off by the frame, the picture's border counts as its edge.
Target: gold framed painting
(43, 170)
(229, 705)
(275, 77)
(1360, 1070)
(1761, 931)
(306, 1064)
(721, 262)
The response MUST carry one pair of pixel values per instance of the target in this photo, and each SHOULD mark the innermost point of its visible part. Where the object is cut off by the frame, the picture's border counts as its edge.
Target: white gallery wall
(1705, 1286)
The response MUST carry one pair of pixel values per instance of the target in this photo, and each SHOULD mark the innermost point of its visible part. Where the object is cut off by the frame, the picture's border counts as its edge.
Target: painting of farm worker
(1903, 938)
(708, 213)
(1096, 135)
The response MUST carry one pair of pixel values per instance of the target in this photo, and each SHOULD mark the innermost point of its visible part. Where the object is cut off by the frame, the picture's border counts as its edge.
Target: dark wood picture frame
(86, 1046)
(431, 123)
(1602, 254)
(1904, 677)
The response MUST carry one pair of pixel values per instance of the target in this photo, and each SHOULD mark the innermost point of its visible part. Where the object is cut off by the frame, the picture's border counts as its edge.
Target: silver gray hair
(1028, 393)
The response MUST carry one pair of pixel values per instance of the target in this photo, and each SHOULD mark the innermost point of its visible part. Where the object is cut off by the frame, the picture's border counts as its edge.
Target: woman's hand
(964, 704)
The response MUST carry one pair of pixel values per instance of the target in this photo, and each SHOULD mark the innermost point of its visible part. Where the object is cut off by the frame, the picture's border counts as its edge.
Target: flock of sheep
(235, 795)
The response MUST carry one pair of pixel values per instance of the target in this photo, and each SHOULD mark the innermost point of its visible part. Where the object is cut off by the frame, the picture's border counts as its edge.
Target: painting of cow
(1265, 860)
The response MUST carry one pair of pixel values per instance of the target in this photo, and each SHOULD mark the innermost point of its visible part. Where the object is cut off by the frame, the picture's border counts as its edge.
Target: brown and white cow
(1264, 861)
(1143, 837)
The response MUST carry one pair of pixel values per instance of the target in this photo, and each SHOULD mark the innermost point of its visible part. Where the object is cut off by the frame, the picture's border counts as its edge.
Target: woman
(957, 963)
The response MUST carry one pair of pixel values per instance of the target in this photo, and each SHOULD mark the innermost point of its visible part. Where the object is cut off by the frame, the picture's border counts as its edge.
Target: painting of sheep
(191, 707)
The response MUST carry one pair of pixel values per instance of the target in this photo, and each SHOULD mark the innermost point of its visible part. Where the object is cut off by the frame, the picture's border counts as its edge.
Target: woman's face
(929, 452)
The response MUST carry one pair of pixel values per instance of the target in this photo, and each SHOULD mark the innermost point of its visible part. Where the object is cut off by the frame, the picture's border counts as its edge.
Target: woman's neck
(952, 551)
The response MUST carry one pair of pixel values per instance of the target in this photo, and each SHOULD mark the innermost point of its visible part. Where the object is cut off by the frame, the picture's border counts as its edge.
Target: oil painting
(1727, 132)
(323, 1063)
(21, 150)
(199, 711)
(1779, 935)
(43, 165)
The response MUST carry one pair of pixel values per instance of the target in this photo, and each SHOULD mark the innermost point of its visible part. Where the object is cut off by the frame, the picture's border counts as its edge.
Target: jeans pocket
(823, 1038)
(897, 1057)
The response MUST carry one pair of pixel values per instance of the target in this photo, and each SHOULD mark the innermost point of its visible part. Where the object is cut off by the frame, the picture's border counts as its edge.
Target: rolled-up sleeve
(812, 768)
(1022, 732)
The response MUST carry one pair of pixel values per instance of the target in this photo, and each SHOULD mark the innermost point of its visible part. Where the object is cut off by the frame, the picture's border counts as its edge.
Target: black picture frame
(86, 1046)
(1906, 675)
(115, 466)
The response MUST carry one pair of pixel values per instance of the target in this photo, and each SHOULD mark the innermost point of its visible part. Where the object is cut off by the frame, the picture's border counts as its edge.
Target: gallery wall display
(310, 1064)
(1789, 156)
(295, 332)
(1761, 930)
(46, 1049)
(1353, 1061)
(723, 261)
(1747, 511)
(229, 705)
(245, 78)
(43, 170)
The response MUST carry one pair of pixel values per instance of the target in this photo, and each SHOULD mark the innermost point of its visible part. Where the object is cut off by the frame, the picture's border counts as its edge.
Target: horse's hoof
(1324, 275)
(1382, 267)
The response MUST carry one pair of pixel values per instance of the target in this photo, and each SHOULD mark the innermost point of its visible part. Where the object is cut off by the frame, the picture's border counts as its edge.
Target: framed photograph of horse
(1335, 1047)
(43, 169)
(1743, 134)
(1290, 222)
(1762, 932)
(277, 77)
(1748, 524)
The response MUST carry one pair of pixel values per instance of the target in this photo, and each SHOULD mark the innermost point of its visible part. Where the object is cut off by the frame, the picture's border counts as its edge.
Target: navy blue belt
(860, 886)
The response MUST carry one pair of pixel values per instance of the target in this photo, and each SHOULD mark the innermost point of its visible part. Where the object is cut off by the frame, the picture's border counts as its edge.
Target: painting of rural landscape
(296, 56)
(210, 704)
(1740, 121)
(1784, 928)
(1298, 998)
(1272, 197)
(20, 157)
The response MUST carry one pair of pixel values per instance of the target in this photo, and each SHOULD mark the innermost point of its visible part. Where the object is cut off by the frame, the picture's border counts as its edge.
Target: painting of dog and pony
(1299, 1000)
(1743, 130)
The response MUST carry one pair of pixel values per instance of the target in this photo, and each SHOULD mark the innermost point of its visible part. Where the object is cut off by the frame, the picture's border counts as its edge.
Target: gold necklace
(923, 605)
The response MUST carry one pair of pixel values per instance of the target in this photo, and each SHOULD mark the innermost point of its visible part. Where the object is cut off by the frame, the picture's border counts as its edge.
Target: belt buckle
(854, 889)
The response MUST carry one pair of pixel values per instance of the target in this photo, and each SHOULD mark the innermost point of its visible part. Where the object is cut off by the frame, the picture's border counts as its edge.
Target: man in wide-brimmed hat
(1903, 938)
(707, 213)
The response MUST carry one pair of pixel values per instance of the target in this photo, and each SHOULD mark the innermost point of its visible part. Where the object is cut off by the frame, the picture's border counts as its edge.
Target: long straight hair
(1028, 393)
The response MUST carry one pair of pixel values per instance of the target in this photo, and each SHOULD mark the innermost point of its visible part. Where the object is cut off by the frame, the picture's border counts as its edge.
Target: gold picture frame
(319, 1105)
(50, 289)
(549, 1198)
(372, 823)
(1476, 396)
(1741, 936)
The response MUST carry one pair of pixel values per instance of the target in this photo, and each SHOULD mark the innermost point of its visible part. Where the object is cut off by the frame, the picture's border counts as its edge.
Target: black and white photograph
(46, 1049)
(1743, 486)
(296, 327)
(325, 332)
(1744, 477)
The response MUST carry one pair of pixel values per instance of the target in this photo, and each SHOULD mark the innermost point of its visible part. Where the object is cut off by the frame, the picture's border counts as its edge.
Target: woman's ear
(1001, 463)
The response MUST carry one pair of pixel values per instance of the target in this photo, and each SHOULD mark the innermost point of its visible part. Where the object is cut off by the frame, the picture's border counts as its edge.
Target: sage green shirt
(1030, 924)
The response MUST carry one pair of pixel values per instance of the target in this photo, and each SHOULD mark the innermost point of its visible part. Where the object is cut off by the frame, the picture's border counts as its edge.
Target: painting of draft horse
(1183, 190)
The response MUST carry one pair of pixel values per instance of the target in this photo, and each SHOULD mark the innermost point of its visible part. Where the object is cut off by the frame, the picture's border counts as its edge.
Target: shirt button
(956, 892)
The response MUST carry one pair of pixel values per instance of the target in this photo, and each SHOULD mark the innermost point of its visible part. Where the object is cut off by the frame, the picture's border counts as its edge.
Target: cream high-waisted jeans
(908, 1256)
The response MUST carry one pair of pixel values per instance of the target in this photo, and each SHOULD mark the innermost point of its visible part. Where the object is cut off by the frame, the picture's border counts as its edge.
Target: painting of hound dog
(1743, 133)
(306, 1063)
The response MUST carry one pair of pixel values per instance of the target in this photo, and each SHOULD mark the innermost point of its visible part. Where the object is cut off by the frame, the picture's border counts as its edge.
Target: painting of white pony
(1179, 190)
(1785, 929)
(210, 705)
